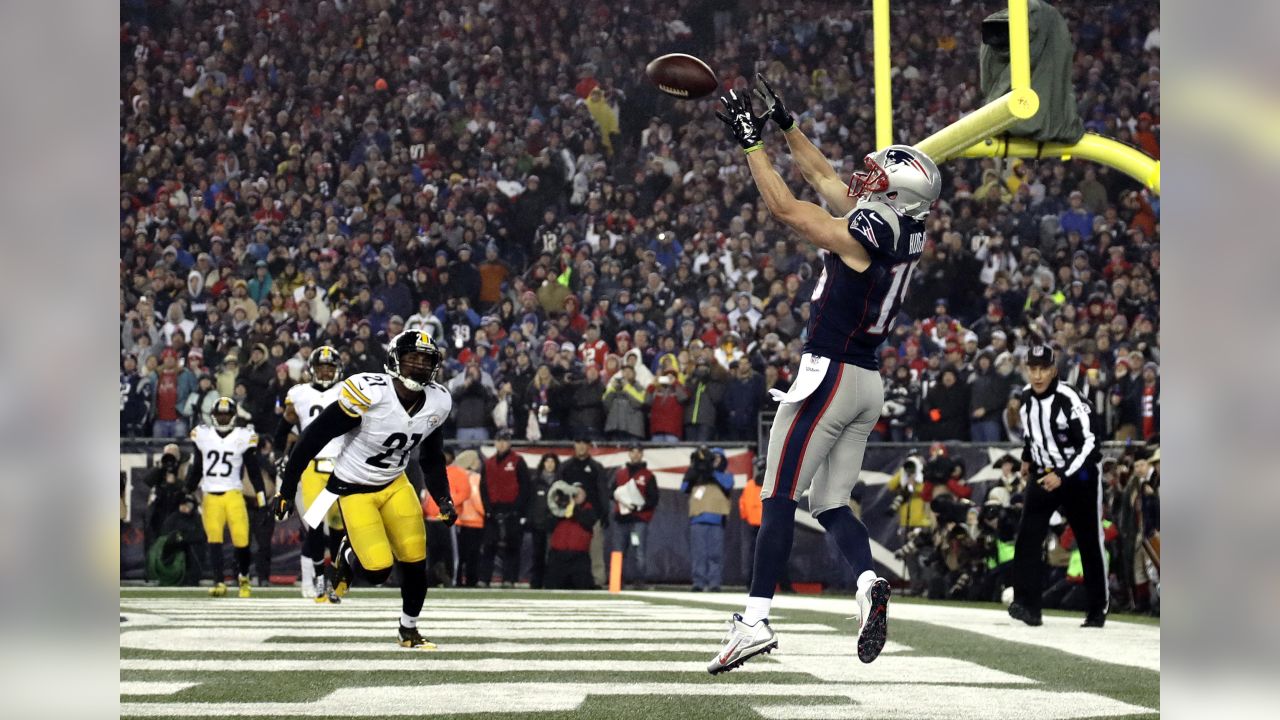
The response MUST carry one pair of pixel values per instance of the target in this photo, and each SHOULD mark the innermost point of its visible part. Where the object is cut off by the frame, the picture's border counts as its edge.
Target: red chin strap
(874, 180)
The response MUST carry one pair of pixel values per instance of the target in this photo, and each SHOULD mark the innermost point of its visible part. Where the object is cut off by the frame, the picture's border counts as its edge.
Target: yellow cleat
(341, 589)
(244, 586)
(218, 590)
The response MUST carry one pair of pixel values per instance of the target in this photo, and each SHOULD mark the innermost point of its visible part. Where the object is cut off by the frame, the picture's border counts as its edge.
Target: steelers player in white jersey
(381, 418)
(302, 404)
(222, 452)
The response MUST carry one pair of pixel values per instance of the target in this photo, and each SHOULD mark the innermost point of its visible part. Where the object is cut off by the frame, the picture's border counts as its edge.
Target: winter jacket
(666, 409)
(742, 402)
(706, 396)
(472, 404)
(588, 473)
(586, 407)
(573, 533)
(625, 407)
(708, 485)
(648, 485)
(459, 490)
(946, 413)
(989, 391)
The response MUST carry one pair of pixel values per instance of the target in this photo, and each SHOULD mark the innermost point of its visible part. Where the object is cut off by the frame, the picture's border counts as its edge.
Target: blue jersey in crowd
(852, 312)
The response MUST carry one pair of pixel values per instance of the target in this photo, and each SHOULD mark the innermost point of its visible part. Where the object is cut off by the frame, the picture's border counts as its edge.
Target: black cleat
(873, 611)
(1017, 611)
(1094, 620)
(343, 573)
(411, 638)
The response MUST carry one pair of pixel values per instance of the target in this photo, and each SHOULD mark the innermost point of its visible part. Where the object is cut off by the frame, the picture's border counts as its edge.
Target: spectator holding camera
(569, 558)
(624, 402)
(665, 400)
(708, 484)
(706, 397)
(586, 403)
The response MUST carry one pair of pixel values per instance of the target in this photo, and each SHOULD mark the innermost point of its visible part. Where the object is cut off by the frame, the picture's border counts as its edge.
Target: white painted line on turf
(891, 669)
(1122, 643)
(892, 702)
(957, 702)
(240, 639)
(147, 687)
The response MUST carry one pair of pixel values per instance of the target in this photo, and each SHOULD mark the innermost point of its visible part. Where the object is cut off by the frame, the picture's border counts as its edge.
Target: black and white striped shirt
(1058, 430)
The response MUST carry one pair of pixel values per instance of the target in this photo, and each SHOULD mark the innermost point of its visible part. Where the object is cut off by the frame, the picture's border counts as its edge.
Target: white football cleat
(742, 643)
(873, 619)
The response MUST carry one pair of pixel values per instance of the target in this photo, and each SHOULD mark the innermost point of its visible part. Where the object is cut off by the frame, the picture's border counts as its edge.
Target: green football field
(528, 654)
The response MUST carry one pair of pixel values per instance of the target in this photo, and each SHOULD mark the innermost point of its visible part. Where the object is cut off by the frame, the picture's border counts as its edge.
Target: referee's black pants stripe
(1078, 499)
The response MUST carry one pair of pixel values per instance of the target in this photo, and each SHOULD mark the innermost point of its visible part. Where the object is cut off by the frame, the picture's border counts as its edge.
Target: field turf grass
(538, 654)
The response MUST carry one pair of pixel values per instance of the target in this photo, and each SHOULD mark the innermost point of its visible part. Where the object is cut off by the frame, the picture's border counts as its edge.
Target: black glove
(448, 515)
(281, 462)
(281, 507)
(741, 120)
(774, 107)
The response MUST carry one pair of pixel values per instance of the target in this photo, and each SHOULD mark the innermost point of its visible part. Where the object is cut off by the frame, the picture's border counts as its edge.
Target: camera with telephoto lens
(560, 498)
(950, 509)
(169, 463)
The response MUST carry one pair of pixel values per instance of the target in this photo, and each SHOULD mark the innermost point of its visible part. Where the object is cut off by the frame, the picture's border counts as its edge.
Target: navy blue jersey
(851, 312)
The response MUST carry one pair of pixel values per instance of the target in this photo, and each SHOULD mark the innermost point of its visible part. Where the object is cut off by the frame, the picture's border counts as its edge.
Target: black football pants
(1080, 499)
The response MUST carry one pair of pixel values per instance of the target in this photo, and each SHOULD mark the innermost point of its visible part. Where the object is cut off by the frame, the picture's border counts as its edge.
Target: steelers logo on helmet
(325, 366)
(901, 177)
(224, 414)
(413, 359)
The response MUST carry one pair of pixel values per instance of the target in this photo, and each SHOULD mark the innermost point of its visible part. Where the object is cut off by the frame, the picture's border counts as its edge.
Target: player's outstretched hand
(281, 507)
(741, 120)
(775, 109)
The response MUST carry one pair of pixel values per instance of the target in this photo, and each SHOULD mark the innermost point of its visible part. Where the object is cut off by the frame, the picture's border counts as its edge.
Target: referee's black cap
(1040, 356)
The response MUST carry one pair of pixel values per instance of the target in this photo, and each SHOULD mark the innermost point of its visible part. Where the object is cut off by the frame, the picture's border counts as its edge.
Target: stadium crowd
(591, 254)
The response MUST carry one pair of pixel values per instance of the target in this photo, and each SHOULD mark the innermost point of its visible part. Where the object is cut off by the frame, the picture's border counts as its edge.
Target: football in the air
(682, 76)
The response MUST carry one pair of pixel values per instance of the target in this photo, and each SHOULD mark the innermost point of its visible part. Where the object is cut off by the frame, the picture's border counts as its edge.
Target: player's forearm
(775, 193)
(435, 476)
(811, 162)
(331, 423)
(254, 468)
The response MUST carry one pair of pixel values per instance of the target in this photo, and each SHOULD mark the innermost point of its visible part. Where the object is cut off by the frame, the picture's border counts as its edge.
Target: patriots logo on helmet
(895, 156)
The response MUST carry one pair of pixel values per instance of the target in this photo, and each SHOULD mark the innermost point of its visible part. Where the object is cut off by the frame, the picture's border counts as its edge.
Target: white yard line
(890, 669)
(147, 687)
(920, 702)
(1123, 643)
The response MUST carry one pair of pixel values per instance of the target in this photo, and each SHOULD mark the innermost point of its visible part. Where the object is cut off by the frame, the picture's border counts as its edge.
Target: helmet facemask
(863, 185)
(324, 359)
(414, 373)
(223, 415)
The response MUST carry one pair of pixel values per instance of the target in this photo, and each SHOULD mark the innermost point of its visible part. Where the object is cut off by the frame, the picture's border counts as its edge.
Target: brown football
(682, 76)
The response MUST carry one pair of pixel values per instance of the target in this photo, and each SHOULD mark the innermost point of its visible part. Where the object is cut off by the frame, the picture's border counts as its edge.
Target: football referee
(1061, 454)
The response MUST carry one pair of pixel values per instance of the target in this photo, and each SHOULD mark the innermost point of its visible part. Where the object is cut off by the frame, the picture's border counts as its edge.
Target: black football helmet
(322, 357)
(224, 414)
(413, 374)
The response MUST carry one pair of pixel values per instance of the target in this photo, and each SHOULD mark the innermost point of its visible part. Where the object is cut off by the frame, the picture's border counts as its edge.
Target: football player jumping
(381, 419)
(820, 433)
(222, 451)
(302, 405)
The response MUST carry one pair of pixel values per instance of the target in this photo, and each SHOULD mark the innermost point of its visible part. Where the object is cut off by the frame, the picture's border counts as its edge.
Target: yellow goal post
(975, 135)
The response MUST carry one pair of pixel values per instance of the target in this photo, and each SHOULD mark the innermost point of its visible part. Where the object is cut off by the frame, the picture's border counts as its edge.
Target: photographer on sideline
(167, 492)
(708, 484)
(569, 561)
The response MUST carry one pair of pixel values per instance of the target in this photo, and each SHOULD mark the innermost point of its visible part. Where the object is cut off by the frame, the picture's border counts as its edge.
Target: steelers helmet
(224, 414)
(324, 356)
(406, 344)
(901, 177)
